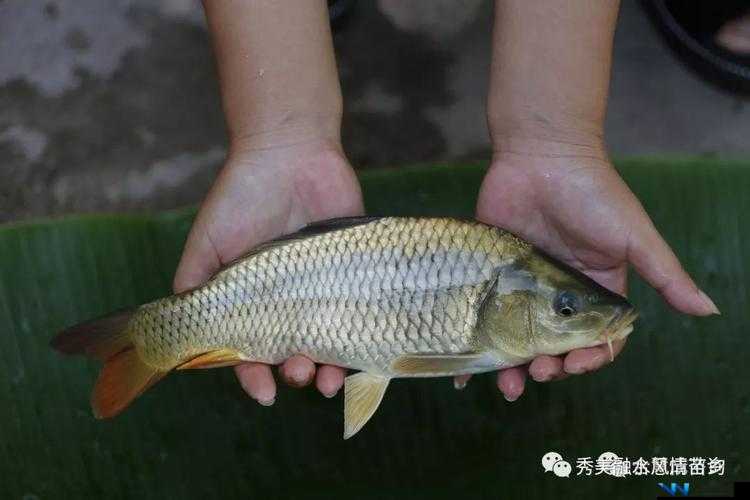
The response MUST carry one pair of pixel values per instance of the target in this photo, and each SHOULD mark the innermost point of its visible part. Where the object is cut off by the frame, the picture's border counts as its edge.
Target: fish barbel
(390, 297)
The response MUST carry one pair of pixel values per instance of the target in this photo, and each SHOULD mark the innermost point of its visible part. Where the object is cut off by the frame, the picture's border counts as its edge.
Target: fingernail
(510, 399)
(329, 395)
(543, 378)
(708, 302)
(266, 402)
(459, 384)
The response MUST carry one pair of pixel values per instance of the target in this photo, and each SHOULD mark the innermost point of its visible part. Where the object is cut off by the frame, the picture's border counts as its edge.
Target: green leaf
(681, 388)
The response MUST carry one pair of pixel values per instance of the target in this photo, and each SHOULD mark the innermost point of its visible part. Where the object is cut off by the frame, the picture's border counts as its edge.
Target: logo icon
(550, 459)
(553, 462)
(562, 469)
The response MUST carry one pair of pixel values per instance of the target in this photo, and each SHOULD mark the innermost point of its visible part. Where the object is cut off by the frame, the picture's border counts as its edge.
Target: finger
(329, 380)
(546, 368)
(658, 265)
(591, 358)
(297, 371)
(615, 279)
(257, 381)
(511, 382)
(460, 381)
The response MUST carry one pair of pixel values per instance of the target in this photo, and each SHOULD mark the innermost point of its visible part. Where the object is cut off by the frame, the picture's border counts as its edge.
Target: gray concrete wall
(113, 104)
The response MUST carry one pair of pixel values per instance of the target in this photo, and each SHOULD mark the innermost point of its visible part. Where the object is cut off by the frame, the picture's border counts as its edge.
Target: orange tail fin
(124, 375)
(123, 378)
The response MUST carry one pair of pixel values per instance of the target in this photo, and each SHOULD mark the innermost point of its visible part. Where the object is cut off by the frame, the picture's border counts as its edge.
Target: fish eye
(567, 303)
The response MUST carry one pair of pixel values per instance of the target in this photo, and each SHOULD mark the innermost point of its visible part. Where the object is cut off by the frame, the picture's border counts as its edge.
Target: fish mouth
(618, 328)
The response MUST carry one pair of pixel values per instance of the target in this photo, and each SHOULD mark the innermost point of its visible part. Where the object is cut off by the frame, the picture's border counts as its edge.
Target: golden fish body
(391, 297)
(358, 297)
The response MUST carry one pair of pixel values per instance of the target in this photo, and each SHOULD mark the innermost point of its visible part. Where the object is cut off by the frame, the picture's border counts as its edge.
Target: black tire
(689, 27)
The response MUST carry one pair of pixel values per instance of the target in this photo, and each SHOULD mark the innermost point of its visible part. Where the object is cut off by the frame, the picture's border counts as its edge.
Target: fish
(388, 297)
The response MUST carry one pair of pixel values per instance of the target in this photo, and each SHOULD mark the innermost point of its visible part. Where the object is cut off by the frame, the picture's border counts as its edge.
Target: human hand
(575, 206)
(262, 193)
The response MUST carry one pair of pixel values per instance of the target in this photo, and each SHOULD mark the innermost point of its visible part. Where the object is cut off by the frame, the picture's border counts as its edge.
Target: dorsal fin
(329, 225)
(313, 229)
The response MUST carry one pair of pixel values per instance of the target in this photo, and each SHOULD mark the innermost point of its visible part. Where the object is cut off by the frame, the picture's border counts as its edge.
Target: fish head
(542, 306)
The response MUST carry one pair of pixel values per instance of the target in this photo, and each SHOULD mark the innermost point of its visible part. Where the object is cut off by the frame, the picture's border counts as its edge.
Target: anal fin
(213, 359)
(363, 393)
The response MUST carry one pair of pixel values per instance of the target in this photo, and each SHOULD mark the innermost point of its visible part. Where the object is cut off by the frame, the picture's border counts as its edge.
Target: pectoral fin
(213, 359)
(437, 365)
(363, 393)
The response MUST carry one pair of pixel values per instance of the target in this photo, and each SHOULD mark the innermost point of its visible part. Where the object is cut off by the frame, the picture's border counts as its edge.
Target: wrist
(546, 125)
(287, 128)
(547, 140)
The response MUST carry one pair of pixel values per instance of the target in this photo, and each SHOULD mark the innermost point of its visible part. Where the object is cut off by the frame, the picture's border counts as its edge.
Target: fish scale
(386, 288)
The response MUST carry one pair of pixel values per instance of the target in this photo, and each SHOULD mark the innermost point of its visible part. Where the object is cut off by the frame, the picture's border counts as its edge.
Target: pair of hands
(576, 207)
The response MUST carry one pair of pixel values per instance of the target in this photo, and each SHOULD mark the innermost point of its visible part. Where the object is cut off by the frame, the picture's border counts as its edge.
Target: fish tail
(124, 375)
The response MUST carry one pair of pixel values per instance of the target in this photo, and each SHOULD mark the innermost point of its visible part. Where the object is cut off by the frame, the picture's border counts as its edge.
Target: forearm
(277, 70)
(550, 72)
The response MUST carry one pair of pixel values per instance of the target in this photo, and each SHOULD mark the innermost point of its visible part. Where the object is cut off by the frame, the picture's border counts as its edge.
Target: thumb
(657, 264)
(200, 260)
(228, 223)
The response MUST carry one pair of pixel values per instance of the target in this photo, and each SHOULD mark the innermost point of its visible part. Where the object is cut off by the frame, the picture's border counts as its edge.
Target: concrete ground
(113, 104)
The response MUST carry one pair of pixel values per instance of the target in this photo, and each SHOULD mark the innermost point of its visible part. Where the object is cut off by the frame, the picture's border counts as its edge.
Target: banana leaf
(681, 388)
